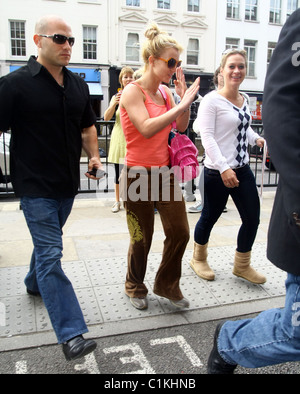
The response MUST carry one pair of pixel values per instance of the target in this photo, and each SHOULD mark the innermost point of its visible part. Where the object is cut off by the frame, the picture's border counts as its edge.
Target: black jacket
(281, 118)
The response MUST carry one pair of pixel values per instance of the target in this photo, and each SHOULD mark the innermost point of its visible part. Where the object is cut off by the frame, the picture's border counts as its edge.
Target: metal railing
(269, 175)
(5, 185)
(106, 185)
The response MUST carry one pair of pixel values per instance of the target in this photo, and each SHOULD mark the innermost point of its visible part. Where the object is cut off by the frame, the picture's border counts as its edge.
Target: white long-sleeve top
(218, 123)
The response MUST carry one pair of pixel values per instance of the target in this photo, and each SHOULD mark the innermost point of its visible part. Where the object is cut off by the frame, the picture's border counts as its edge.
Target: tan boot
(199, 262)
(243, 269)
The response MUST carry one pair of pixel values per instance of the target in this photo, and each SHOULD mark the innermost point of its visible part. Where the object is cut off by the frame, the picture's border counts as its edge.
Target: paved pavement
(95, 251)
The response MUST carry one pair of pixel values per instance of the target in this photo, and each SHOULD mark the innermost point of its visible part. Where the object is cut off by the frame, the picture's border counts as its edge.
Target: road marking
(192, 356)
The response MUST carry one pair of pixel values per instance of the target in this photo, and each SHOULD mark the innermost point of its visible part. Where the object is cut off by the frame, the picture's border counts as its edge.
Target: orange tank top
(140, 151)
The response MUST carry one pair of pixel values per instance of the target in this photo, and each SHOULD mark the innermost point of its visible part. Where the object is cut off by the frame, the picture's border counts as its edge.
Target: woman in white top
(225, 127)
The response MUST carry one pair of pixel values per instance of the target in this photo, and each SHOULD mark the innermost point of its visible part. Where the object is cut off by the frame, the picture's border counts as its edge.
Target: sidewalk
(95, 252)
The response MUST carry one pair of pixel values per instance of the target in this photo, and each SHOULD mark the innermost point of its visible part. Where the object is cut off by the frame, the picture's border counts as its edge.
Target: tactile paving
(99, 285)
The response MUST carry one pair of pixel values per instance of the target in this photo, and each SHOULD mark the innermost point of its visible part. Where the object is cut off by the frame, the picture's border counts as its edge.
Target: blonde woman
(117, 148)
(225, 126)
(146, 124)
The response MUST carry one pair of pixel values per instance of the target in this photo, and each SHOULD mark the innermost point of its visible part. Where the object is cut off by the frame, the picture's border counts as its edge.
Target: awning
(95, 90)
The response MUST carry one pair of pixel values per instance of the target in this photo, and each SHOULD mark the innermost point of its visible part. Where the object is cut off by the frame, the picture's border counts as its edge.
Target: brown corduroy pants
(142, 190)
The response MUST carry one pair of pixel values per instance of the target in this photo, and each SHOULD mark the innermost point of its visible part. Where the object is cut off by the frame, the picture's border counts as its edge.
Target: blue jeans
(45, 219)
(245, 198)
(273, 337)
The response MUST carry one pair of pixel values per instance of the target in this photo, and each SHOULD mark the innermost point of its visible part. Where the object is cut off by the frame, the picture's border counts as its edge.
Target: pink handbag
(183, 153)
(184, 158)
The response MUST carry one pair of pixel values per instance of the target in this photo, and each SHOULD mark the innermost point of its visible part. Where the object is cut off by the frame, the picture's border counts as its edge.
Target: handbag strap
(164, 94)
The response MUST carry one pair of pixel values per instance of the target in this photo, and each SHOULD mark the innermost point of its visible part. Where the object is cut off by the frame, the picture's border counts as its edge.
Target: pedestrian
(225, 126)
(146, 123)
(48, 111)
(117, 147)
(273, 337)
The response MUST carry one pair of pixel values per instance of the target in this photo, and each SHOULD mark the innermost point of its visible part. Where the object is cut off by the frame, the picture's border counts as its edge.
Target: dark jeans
(245, 198)
(45, 219)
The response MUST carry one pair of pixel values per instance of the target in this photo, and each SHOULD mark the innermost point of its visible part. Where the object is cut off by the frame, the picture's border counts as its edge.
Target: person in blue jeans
(48, 110)
(273, 337)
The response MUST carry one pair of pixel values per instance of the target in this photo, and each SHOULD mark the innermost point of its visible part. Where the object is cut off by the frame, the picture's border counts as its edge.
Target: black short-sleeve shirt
(46, 122)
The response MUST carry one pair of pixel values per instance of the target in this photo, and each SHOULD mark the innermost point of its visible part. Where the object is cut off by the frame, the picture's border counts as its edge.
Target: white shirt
(217, 122)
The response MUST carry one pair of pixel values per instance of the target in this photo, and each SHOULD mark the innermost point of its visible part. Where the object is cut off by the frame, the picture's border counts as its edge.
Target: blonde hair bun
(157, 41)
(153, 31)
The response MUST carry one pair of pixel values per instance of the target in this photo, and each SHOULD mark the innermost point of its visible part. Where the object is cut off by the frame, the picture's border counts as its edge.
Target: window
(194, 5)
(193, 52)
(164, 4)
(271, 47)
(292, 5)
(132, 48)
(275, 12)
(251, 10)
(233, 9)
(90, 43)
(133, 3)
(232, 43)
(18, 39)
(250, 48)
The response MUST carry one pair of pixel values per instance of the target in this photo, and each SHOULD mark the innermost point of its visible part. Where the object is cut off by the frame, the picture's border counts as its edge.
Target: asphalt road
(177, 355)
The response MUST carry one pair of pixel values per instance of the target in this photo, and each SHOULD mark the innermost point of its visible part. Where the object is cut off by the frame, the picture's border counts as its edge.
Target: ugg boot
(199, 262)
(243, 270)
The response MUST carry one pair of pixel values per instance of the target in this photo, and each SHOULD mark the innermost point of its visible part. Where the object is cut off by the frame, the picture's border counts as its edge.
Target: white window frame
(252, 8)
(292, 5)
(275, 12)
(232, 43)
(134, 47)
(193, 52)
(90, 42)
(194, 4)
(133, 3)
(271, 48)
(18, 43)
(232, 6)
(250, 47)
(166, 4)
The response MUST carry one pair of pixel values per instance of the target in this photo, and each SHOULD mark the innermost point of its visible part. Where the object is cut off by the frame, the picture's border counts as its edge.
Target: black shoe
(216, 365)
(78, 347)
(33, 293)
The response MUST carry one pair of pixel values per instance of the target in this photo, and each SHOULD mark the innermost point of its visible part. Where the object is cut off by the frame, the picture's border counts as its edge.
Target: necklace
(237, 101)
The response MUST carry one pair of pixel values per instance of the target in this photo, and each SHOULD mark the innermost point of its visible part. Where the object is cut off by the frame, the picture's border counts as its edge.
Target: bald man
(48, 110)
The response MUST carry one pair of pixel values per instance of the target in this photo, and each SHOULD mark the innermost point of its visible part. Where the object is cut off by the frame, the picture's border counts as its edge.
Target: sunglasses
(172, 63)
(233, 50)
(60, 39)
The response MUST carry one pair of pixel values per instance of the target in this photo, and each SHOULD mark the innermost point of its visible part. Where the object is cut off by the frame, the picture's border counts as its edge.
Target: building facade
(110, 33)
(253, 25)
